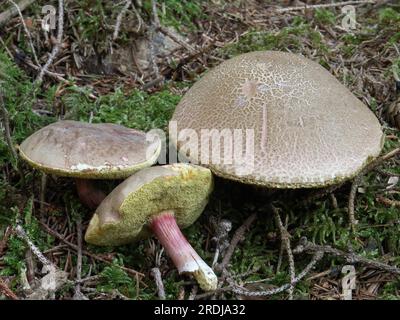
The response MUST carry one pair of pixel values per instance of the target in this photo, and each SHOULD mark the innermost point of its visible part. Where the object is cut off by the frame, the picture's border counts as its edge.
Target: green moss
(136, 109)
(114, 278)
(19, 97)
(388, 16)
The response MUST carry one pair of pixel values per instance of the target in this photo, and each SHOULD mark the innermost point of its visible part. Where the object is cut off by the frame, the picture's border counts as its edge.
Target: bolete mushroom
(87, 151)
(156, 200)
(309, 130)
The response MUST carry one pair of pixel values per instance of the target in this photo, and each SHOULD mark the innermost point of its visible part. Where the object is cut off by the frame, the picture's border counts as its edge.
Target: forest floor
(132, 67)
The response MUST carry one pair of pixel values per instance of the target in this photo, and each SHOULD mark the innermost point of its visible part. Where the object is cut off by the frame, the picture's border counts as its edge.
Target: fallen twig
(350, 257)
(193, 293)
(238, 290)
(54, 278)
(42, 196)
(222, 229)
(155, 272)
(328, 5)
(388, 202)
(7, 291)
(281, 249)
(357, 180)
(128, 3)
(352, 197)
(12, 12)
(238, 235)
(85, 252)
(28, 34)
(285, 238)
(175, 38)
(378, 161)
(20, 232)
(3, 242)
(152, 32)
(78, 294)
(57, 76)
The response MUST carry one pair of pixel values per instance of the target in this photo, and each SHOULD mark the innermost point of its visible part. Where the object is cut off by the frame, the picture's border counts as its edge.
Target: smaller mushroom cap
(89, 151)
(124, 214)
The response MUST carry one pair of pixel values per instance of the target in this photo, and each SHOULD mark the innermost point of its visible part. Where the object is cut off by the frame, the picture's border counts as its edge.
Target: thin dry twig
(7, 291)
(282, 248)
(285, 238)
(78, 294)
(152, 32)
(57, 46)
(222, 229)
(357, 180)
(237, 237)
(352, 196)
(43, 187)
(28, 34)
(20, 232)
(328, 5)
(193, 293)
(388, 202)
(12, 12)
(176, 39)
(3, 242)
(121, 14)
(350, 257)
(85, 252)
(155, 272)
(238, 290)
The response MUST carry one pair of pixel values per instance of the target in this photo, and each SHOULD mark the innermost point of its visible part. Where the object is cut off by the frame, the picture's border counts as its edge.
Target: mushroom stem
(181, 252)
(89, 195)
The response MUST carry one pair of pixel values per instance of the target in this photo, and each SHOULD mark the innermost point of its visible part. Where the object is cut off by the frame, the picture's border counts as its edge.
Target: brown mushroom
(309, 129)
(87, 151)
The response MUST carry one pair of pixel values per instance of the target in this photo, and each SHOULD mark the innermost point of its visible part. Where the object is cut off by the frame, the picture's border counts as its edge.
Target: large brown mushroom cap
(309, 129)
(124, 215)
(89, 151)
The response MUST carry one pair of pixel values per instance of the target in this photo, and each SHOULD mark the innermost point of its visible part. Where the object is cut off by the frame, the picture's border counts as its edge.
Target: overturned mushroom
(156, 200)
(87, 151)
(309, 130)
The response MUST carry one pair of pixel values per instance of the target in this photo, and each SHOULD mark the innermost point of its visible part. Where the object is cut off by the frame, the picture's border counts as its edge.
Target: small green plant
(388, 15)
(114, 278)
(324, 16)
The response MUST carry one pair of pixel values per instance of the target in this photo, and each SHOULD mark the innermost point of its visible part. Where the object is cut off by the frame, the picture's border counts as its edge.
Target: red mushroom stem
(89, 195)
(180, 251)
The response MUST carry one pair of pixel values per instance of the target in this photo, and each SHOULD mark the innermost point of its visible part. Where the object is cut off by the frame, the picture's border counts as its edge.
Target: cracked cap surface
(309, 129)
(89, 151)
